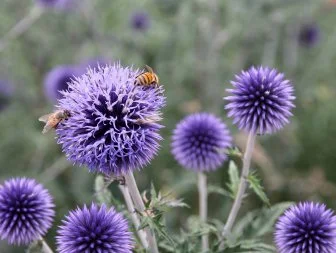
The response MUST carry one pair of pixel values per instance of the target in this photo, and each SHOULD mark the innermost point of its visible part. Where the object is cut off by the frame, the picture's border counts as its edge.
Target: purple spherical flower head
(199, 141)
(26, 211)
(306, 227)
(94, 229)
(309, 35)
(113, 126)
(58, 79)
(261, 100)
(140, 21)
(6, 92)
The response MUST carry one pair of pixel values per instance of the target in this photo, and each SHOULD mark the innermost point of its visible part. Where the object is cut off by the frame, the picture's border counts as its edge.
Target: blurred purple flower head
(261, 100)
(309, 35)
(57, 4)
(26, 211)
(113, 127)
(306, 227)
(6, 92)
(140, 21)
(58, 80)
(94, 229)
(199, 142)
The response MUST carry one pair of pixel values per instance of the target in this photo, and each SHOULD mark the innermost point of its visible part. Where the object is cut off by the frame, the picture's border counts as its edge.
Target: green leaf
(249, 246)
(218, 190)
(255, 185)
(259, 222)
(234, 179)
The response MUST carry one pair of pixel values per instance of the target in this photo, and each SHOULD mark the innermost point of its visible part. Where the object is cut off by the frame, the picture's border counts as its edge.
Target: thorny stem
(203, 207)
(140, 206)
(242, 186)
(21, 27)
(142, 235)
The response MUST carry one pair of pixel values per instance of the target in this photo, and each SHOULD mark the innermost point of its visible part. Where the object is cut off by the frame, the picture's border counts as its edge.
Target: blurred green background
(196, 47)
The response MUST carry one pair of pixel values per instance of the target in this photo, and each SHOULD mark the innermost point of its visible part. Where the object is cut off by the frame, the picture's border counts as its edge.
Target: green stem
(140, 206)
(242, 186)
(203, 207)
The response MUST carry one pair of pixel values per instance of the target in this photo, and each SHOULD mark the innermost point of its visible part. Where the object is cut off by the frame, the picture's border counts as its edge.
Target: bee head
(66, 113)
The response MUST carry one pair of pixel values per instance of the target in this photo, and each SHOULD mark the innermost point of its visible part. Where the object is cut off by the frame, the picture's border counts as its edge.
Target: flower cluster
(26, 211)
(113, 126)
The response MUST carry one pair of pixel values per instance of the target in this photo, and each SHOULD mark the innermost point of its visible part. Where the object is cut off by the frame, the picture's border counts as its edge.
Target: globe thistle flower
(113, 128)
(261, 100)
(199, 141)
(309, 35)
(58, 79)
(94, 229)
(26, 211)
(140, 21)
(6, 92)
(306, 227)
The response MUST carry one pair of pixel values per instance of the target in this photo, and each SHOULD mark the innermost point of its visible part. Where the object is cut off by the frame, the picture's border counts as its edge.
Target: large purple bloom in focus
(306, 227)
(94, 229)
(112, 128)
(26, 211)
(199, 142)
(261, 100)
(58, 80)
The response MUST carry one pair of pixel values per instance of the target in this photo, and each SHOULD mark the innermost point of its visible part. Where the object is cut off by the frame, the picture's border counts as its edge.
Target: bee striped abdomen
(147, 78)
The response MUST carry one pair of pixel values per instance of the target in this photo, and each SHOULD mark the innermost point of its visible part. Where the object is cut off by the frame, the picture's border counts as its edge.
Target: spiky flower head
(94, 229)
(6, 92)
(261, 100)
(26, 211)
(199, 142)
(113, 126)
(58, 80)
(309, 34)
(140, 21)
(306, 227)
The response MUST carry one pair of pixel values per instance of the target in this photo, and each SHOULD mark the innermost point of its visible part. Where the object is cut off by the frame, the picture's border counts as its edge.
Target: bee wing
(47, 128)
(149, 69)
(45, 118)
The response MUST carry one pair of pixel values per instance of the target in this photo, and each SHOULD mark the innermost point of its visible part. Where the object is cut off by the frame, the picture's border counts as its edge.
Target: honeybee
(53, 119)
(148, 78)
